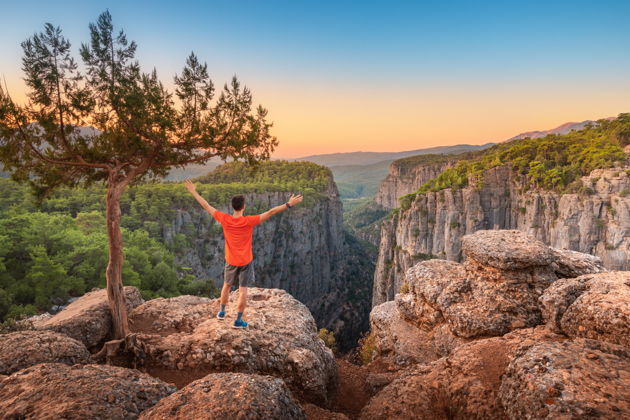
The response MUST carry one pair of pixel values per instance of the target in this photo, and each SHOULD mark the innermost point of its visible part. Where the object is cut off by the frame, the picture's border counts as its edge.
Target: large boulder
(21, 349)
(593, 306)
(580, 379)
(59, 391)
(88, 319)
(495, 290)
(229, 396)
(462, 386)
(568, 263)
(185, 341)
(473, 300)
(397, 342)
(506, 249)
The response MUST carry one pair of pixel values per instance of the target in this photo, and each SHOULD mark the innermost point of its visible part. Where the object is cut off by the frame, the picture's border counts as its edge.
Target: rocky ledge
(22, 349)
(494, 291)
(87, 319)
(579, 379)
(185, 341)
(591, 306)
(229, 396)
(501, 336)
(59, 391)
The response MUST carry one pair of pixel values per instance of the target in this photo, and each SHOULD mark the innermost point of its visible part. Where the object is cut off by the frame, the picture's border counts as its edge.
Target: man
(238, 230)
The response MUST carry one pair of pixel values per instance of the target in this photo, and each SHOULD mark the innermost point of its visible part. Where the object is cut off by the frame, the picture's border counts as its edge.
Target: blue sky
(349, 75)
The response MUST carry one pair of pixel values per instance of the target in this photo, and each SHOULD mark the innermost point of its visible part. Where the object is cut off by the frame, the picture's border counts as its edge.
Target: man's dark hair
(238, 202)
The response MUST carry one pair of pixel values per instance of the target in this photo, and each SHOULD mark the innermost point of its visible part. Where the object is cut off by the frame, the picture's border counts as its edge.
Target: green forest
(554, 162)
(57, 249)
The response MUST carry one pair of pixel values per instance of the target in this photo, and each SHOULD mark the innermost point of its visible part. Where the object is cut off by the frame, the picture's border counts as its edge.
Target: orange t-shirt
(238, 237)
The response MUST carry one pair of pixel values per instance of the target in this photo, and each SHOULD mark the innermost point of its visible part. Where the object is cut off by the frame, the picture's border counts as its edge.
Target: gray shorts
(244, 274)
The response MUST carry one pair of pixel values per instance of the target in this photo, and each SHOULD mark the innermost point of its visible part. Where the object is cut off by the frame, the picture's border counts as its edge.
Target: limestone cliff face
(304, 251)
(403, 180)
(596, 222)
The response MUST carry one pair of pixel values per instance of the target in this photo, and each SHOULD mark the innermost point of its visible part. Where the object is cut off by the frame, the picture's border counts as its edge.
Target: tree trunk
(115, 294)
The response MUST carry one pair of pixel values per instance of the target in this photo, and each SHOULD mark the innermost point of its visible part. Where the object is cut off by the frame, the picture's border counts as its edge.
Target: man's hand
(193, 190)
(295, 199)
(190, 186)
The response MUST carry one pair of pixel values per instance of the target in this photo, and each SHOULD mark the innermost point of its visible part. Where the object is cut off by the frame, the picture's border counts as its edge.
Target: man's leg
(229, 274)
(244, 279)
(242, 299)
(225, 293)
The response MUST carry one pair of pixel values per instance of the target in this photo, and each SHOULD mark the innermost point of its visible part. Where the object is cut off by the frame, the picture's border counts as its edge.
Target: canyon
(594, 221)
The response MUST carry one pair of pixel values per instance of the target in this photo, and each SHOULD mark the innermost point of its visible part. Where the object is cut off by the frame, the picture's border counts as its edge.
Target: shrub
(406, 200)
(367, 348)
(404, 288)
(19, 323)
(610, 247)
(422, 257)
(329, 339)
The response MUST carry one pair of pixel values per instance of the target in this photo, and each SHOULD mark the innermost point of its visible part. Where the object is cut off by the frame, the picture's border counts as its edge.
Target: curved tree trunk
(115, 294)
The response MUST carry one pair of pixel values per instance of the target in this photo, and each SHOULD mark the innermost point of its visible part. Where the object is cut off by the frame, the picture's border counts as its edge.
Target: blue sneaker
(239, 324)
(221, 315)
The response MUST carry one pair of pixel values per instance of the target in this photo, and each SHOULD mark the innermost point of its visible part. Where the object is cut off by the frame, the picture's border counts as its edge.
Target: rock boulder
(593, 306)
(568, 263)
(580, 379)
(398, 342)
(88, 319)
(462, 386)
(506, 249)
(21, 349)
(185, 341)
(229, 396)
(56, 390)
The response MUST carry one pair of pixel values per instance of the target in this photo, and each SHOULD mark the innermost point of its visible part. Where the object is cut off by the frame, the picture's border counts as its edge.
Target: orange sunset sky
(375, 77)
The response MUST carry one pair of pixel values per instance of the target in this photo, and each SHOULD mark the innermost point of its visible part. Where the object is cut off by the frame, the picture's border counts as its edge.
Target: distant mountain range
(358, 173)
(561, 129)
(369, 158)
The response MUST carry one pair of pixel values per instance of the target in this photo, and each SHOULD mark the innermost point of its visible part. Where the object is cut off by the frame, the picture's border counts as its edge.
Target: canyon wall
(404, 179)
(596, 221)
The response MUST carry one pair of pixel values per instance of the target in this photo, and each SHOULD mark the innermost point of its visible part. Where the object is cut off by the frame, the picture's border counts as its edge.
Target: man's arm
(294, 200)
(193, 190)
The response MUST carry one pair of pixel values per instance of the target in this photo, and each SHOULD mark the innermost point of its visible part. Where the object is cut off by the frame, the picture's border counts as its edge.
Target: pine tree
(117, 125)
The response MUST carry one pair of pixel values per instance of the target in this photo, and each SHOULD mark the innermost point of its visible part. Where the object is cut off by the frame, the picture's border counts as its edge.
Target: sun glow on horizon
(343, 78)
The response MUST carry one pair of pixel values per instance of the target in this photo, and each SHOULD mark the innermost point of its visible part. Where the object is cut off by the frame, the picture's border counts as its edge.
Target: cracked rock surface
(56, 390)
(185, 341)
(579, 379)
(229, 396)
(88, 319)
(21, 349)
(593, 306)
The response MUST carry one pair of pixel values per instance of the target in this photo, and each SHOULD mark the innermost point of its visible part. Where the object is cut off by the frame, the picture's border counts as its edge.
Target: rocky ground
(501, 336)
(518, 330)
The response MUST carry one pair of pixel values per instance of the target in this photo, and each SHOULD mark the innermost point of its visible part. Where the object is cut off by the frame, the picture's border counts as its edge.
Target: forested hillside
(554, 162)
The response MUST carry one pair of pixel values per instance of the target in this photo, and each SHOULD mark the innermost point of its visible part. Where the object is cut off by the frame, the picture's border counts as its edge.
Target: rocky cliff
(304, 251)
(404, 177)
(594, 221)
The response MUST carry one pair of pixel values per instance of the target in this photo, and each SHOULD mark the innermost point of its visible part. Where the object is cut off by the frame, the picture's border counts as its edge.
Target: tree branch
(185, 162)
(68, 163)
